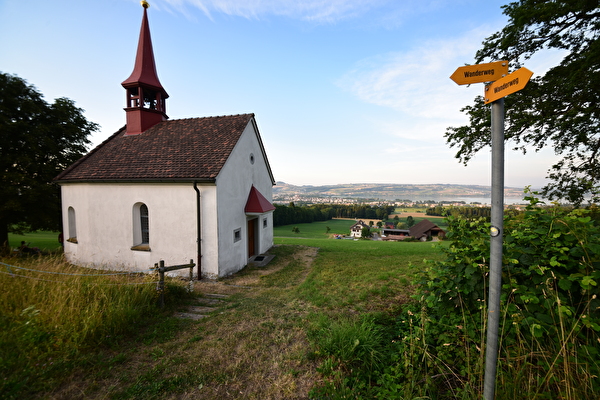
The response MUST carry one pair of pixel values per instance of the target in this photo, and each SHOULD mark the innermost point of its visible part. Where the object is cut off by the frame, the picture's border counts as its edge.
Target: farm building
(421, 231)
(174, 190)
(356, 229)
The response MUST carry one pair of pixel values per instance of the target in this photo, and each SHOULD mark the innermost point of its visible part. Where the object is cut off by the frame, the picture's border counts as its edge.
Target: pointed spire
(144, 70)
(145, 94)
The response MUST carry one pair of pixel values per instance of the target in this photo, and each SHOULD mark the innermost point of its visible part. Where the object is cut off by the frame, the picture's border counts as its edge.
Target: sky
(344, 91)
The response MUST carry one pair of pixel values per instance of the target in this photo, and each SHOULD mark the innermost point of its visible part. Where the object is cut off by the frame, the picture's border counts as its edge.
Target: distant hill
(391, 191)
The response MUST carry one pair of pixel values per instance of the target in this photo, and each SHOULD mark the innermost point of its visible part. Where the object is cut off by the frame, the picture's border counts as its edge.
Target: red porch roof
(257, 203)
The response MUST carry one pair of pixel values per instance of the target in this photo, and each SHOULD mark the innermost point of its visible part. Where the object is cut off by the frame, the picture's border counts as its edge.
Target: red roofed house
(171, 190)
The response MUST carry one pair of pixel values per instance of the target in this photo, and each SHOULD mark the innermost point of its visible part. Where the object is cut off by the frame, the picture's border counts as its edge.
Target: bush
(550, 307)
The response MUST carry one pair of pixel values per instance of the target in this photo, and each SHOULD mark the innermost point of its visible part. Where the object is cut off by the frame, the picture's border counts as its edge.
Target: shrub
(550, 306)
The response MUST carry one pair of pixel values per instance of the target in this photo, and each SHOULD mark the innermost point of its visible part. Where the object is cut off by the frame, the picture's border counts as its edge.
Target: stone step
(201, 310)
(193, 316)
(216, 295)
(207, 304)
(210, 301)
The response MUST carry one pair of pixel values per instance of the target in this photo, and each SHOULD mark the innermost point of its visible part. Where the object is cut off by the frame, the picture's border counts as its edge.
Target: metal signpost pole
(502, 85)
(496, 233)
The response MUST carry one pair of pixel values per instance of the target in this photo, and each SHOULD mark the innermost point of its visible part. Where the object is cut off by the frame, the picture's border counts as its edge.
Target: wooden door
(251, 237)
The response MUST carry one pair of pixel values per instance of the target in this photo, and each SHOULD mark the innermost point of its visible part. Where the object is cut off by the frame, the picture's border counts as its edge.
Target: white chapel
(175, 190)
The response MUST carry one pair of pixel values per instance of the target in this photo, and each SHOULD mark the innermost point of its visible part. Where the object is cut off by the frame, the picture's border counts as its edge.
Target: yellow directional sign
(480, 73)
(509, 84)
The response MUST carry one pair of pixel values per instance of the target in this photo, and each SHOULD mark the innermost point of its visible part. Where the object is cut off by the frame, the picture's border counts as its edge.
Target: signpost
(494, 93)
(480, 73)
(509, 84)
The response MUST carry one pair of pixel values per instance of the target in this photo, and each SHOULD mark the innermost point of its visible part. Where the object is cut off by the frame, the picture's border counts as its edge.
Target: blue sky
(344, 91)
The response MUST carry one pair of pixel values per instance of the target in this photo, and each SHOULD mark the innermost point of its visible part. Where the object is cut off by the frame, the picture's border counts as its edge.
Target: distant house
(421, 231)
(172, 190)
(356, 229)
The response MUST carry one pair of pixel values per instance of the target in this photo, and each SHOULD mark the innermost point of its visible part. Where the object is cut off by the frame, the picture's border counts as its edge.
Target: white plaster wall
(233, 186)
(104, 215)
(209, 224)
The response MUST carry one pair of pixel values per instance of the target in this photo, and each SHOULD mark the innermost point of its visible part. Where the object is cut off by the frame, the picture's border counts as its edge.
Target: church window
(144, 224)
(72, 225)
(141, 227)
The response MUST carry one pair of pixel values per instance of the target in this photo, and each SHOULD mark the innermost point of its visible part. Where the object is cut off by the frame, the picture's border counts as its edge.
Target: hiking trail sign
(509, 84)
(502, 85)
(480, 73)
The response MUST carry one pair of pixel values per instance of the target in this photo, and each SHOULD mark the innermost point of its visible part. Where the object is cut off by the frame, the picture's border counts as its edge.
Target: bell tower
(146, 98)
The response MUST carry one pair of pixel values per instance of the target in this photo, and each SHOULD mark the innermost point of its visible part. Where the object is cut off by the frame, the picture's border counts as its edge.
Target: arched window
(141, 227)
(72, 225)
(144, 224)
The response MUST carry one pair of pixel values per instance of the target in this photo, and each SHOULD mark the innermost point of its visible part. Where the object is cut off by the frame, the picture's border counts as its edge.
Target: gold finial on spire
(145, 4)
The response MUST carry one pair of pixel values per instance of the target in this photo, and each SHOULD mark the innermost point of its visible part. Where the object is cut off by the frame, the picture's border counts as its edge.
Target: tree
(559, 109)
(37, 141)
(410, 221)
(365, 233)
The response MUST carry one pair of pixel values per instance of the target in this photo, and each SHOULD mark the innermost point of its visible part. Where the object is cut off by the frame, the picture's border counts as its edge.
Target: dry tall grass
(51, 311)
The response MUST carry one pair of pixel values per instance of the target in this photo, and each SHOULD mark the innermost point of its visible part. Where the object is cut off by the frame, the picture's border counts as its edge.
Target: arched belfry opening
(145, 96)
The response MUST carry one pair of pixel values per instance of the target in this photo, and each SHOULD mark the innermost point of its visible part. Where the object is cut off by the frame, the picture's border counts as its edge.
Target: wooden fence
(160, 286)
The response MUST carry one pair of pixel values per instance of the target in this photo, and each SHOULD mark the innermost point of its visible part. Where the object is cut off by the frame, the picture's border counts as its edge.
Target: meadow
(44, 240)
(326, 318)
(81, 339)
(318, 230)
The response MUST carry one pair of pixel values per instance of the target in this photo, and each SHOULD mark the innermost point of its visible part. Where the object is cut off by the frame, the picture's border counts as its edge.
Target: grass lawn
(362, 275)
(43, 240)
(316, 230)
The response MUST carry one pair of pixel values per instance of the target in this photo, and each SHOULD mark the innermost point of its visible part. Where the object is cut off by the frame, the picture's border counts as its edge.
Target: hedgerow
(550, 321)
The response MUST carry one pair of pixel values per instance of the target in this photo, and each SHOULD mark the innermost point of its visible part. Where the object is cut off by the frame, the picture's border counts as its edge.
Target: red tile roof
(184, 149)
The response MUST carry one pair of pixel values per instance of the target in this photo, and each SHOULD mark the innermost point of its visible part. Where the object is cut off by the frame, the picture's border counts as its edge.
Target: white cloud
(390, 12)
(416, 82)
(308, 10)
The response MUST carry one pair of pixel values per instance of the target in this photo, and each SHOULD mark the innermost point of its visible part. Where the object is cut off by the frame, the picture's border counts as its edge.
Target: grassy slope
(257, 346)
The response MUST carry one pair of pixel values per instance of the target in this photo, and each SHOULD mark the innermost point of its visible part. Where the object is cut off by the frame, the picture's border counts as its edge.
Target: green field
(45, 241)
(48, 241)
(318, 230)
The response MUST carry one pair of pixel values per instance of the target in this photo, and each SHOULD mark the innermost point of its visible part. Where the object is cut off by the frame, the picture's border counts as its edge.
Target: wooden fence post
(161, 284)
(191, 284)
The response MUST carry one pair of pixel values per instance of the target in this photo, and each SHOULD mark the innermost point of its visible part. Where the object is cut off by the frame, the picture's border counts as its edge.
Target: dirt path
(252, 346)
